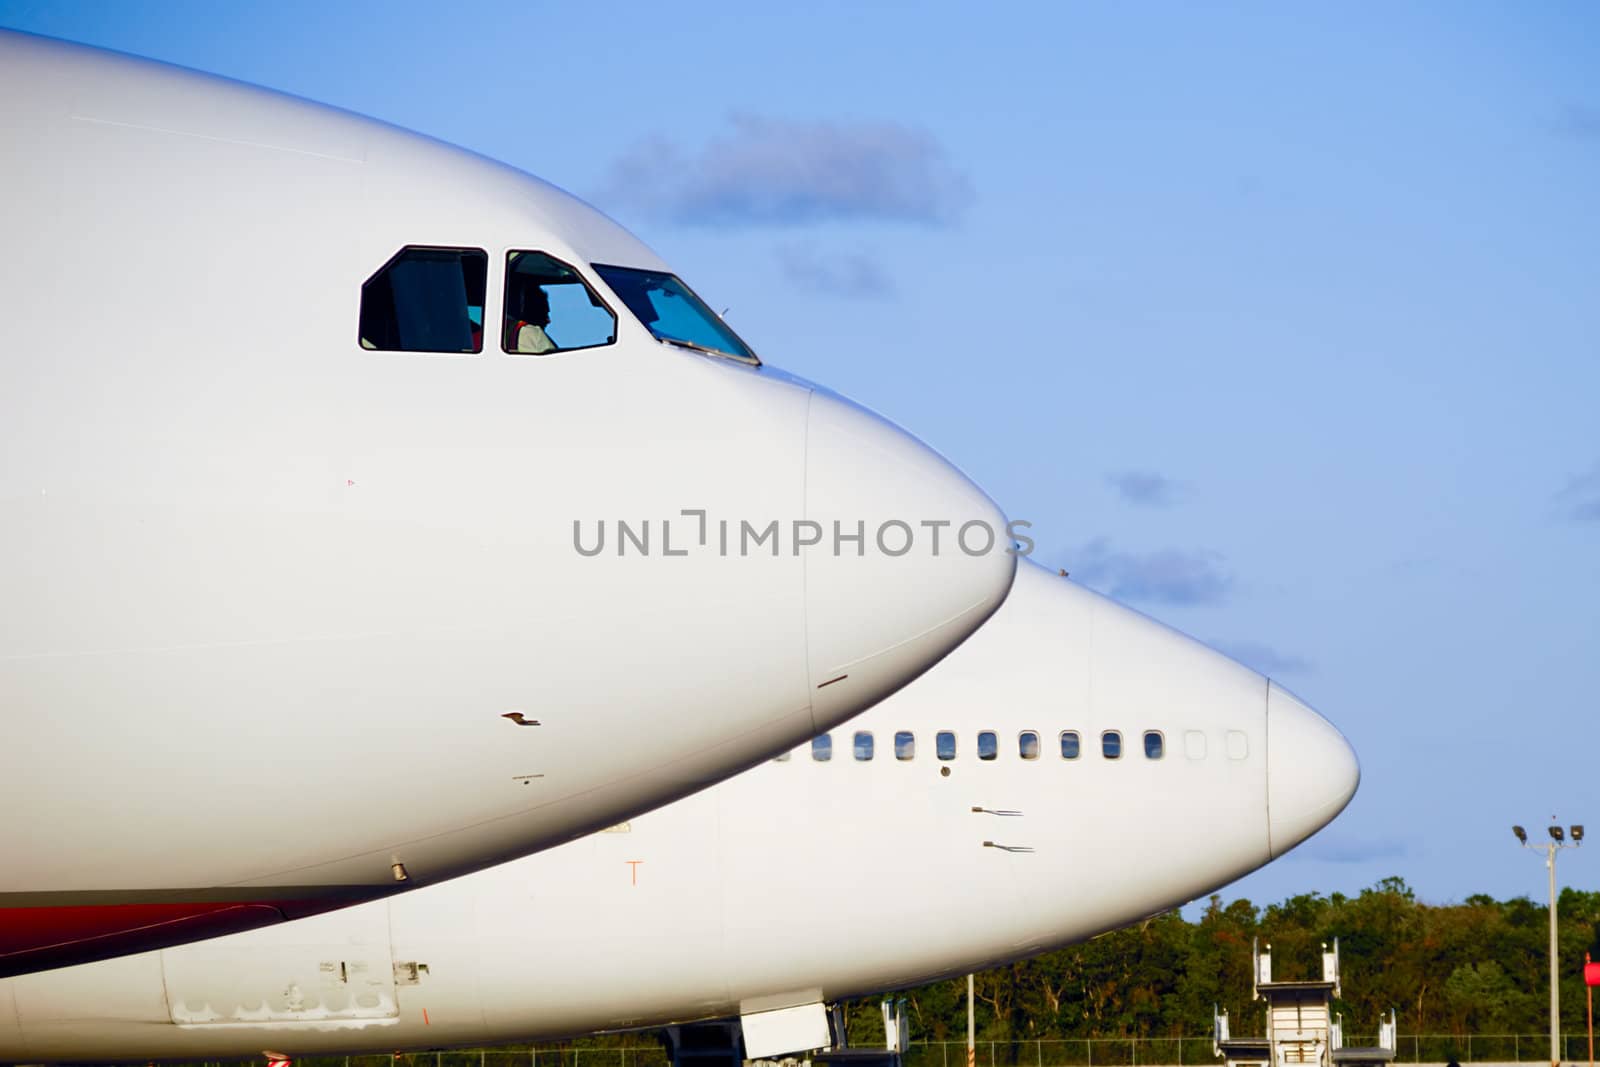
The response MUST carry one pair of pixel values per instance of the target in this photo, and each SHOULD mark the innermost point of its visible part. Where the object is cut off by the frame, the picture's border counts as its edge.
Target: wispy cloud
(1580, 500)
(1166, 576)
(1145, 488)
(852, 275)
(1581, 120)
(1334, 848)
(784, 172)
(1264, 658)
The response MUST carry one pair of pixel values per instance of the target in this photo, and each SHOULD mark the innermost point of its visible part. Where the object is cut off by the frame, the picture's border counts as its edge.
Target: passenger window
(1154, 744)
(988, 746)
(944, 745)
(549, 308)
(1194, 744)
(1069, 744)
(1238, 745)
(425, 300)
(782, 757)
(822, 748)
(863, 744)
(1111, 744)
(1028, 745)
(905, 744)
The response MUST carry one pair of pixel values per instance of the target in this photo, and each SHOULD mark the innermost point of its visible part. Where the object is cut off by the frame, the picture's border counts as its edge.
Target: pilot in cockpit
(526, 319)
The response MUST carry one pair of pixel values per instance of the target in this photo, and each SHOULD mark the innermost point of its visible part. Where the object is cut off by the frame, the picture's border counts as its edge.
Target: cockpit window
(671, 311)
(425, 300)
(550, 309)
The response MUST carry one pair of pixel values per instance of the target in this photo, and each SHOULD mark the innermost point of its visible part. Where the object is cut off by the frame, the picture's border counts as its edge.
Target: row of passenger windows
(434, 300)
(1029, 745)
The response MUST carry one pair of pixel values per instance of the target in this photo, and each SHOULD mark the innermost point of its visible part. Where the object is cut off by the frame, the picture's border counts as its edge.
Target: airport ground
(1466, 980)
(644, 1050)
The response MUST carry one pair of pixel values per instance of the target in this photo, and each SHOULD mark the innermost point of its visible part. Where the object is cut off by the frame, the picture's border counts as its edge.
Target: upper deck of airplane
(87, 102)
(305, 415)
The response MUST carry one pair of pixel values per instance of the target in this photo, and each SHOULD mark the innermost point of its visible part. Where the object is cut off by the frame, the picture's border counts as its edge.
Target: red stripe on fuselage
(40, 938)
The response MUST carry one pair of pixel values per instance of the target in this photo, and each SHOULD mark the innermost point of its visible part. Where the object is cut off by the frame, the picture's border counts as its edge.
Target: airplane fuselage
(297, 607)
(800, 882)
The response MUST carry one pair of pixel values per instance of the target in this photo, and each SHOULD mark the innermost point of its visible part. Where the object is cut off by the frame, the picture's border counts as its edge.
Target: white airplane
(373, 512)
(1072, 768)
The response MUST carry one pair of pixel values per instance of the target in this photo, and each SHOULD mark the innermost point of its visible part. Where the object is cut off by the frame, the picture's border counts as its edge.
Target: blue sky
(1280, 322)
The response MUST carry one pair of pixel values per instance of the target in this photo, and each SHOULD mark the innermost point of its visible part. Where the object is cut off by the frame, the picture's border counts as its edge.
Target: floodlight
(1522, 835)
(1577, 833)
(1557, 834)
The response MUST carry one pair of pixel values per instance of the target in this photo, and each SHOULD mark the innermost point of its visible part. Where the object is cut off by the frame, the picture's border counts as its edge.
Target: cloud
(856, 276)
(1146, 488)
(1580, 500)
(1581, 121)
(1167, 576)
(1336, 848)
(782, 172)
(1264, 658)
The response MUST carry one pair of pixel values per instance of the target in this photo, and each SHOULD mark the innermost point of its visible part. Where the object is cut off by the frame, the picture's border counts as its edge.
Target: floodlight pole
(972, 1044)
(1555, 989)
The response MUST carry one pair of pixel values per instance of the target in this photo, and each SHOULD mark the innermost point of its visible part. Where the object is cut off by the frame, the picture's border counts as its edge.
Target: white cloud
(851, 275)
(1144, 487)
(1165, 576)
(784, 172)
(1580, 500)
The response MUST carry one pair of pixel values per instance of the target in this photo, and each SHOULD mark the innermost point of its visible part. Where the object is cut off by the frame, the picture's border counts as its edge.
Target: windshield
(671, 311)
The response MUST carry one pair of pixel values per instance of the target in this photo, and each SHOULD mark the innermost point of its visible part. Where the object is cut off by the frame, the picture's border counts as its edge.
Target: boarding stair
(1302, 1030)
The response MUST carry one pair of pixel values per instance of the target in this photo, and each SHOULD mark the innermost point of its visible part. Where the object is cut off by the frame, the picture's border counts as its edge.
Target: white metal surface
(778, 880)
(780, 1030)
(278, 613)
(1302, 780)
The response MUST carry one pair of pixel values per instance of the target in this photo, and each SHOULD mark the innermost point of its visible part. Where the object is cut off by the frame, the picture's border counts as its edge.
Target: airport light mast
(1557, 841)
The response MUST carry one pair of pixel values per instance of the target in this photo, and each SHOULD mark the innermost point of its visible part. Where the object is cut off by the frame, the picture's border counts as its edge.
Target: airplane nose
(910, 559)
(1312, 771)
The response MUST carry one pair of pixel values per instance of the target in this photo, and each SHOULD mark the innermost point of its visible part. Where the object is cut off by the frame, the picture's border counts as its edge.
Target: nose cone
(1311, 771)
(910, 558)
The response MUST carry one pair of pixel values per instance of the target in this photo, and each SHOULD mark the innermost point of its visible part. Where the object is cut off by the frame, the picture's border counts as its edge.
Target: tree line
(1477, 967)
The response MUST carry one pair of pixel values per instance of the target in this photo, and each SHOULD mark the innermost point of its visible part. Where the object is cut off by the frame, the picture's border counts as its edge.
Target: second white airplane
(1074, 767)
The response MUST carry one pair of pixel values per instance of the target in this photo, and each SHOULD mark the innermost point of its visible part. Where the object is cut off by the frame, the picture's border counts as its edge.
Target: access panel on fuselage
(337, 967)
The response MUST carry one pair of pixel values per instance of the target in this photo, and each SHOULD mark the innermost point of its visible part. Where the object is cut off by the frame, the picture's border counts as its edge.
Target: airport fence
(1196, 1051)
(1049, 1052)
(652, 1055)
